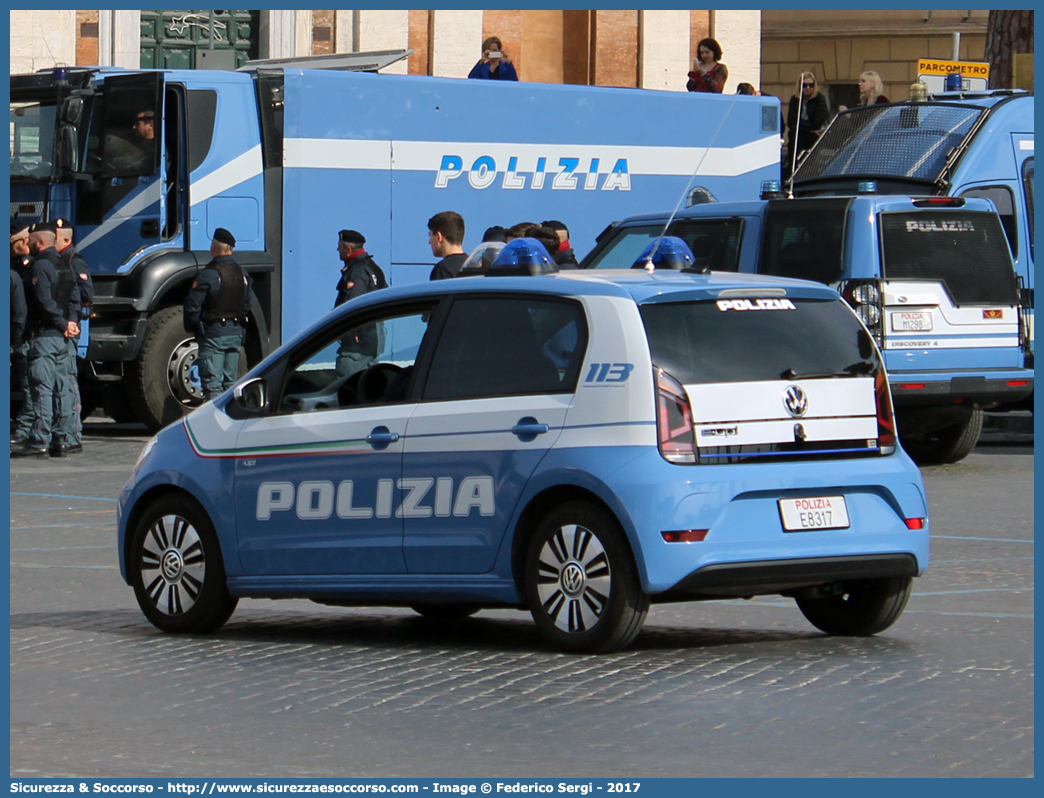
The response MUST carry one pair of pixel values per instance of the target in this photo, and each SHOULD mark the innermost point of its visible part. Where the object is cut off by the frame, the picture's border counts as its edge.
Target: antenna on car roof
(685, 193)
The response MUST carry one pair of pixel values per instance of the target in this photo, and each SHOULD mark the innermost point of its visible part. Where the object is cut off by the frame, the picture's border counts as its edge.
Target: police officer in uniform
(52, 301)
(359, 275)
(71, 439)
(216, 310)
(21, 262)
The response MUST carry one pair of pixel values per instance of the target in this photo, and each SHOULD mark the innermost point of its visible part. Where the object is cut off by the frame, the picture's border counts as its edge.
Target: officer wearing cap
(21, 262)
(52, 301)
(359, 275)
(71, 439)
(216, 310)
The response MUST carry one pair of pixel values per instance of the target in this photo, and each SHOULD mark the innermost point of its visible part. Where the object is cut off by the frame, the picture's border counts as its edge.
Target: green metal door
(170, 39)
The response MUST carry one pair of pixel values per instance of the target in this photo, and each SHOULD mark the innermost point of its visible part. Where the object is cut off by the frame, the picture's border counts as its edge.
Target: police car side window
(505, 346)
(370, 362)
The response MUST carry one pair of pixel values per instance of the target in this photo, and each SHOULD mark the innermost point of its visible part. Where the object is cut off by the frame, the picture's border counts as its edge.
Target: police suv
(579, 444)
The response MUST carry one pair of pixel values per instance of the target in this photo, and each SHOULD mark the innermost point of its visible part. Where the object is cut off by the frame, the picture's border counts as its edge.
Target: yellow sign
(968, 69)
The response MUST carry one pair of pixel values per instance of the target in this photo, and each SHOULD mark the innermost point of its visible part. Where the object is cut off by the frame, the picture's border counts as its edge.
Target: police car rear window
(751, 338)
(965, 250)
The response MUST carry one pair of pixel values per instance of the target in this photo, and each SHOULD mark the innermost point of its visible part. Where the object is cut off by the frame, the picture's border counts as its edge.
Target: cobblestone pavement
(728, 688)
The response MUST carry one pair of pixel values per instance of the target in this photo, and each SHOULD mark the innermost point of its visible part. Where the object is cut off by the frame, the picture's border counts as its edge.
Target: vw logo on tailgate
(795, 401)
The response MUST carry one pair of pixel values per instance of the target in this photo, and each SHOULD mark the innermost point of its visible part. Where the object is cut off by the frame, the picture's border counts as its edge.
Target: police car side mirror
(249, 399)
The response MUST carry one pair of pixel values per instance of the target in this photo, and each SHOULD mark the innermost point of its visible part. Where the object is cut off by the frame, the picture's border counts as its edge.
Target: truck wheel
(948, 445)
(160, 381)
(581, 582)
(176, 568)
(860, 608)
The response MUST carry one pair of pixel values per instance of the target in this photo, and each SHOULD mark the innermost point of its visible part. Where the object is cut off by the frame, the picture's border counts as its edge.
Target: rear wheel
(948, 445)
(176, 568)
(581, 582)
(859, 608)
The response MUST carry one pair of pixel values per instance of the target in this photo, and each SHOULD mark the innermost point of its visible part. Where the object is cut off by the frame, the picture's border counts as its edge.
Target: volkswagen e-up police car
(579, 444)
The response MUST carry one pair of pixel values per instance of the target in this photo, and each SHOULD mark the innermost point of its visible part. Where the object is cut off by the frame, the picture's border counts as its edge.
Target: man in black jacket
(563, 255)
(21, 262)
(52, 301)
(70, 438)
(216, 310)
(359, 275)
(445, 236)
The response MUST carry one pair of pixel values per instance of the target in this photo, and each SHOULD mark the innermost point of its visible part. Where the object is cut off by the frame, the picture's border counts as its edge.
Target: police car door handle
(528, 428)
(380, 438)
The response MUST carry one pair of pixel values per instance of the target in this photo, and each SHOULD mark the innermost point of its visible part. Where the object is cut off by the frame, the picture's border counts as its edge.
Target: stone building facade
(648, 49)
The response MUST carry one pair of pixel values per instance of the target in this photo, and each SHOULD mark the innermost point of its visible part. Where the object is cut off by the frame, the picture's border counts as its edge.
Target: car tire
(176, 568)
(581, 582)
(448, 611)
(860, 609)
(948, 445)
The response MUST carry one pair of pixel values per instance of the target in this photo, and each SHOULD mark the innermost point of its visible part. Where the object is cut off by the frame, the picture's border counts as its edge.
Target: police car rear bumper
(929, 389)
(735, 580)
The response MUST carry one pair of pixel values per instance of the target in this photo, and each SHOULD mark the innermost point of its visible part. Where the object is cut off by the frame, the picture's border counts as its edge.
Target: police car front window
(754, 339)
(368, 363)
(508, 346)
(623, 250)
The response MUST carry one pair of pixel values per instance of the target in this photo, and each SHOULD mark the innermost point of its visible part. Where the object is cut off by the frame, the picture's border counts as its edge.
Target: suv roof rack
(371, 61)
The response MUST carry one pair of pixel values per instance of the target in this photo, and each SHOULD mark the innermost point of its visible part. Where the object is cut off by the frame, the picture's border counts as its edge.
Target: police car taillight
(885, 415)
(674, 420)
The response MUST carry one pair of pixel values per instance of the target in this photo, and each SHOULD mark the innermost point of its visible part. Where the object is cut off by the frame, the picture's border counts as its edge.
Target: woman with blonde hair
(871, 89)
(807, 116)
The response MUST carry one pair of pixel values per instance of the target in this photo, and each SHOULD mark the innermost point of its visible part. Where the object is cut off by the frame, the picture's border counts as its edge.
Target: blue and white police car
(580, 444)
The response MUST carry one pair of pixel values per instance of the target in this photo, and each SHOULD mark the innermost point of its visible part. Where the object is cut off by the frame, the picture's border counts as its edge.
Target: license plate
(912, 321)
(814, 512)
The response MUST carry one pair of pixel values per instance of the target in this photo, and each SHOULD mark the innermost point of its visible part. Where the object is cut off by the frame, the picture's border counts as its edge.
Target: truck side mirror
(72, 110)
(249, 399)
(67, 155)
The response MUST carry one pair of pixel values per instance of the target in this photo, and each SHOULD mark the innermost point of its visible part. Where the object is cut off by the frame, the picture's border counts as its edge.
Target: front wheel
(176, 568)
(581, 582)
(859, 608)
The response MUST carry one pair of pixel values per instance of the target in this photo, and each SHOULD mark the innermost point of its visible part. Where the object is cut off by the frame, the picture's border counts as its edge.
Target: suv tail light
(674, 419)
(885, 416)
(866, 298)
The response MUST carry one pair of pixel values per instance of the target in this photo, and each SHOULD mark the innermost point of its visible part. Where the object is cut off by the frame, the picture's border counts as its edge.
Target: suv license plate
(814, 512)
(912, 321)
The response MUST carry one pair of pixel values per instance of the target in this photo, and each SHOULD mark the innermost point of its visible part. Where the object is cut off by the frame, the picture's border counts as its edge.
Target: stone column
(381, 30)
(119, 39)
(739, 34)
(663, 49)
(455, 43)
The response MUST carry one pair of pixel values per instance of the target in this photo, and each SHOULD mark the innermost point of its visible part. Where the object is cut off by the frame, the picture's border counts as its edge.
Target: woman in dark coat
(814, 117)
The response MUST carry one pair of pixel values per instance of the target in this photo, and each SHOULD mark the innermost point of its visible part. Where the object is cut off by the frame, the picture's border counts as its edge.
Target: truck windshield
(32, 140)
(900, 141)
(966, 251)
(731, 341)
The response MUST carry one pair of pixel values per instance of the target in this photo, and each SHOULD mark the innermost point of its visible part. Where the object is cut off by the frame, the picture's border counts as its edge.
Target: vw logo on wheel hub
(171, 565)
(795, 401)
(573, 579)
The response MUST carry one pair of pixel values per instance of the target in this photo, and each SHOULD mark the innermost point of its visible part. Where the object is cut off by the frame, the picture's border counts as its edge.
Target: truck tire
(948, 445)
(159, 387)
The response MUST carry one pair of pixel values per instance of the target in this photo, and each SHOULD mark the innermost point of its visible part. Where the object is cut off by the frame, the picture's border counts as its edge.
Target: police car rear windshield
(966, 251)
(753, 338)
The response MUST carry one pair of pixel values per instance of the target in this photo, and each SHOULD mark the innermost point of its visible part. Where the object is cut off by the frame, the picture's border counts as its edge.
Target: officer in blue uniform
(359, 276)
(21, 261)
(52, 301)
(216, 310)
(70, 438)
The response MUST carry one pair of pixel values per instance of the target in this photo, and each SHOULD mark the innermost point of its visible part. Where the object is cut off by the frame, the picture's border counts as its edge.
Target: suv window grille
(908, 140)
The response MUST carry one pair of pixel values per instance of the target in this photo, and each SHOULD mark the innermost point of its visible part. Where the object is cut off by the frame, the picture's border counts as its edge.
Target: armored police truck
(148, 163)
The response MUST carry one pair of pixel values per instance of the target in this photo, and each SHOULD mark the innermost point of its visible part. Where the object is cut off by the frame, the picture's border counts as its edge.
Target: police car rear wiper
(856, 369)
